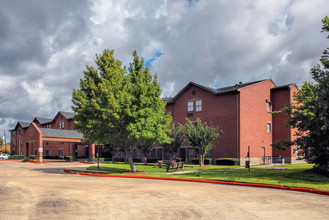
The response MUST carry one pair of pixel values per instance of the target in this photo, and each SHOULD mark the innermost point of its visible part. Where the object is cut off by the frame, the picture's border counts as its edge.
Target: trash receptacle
(247, 163)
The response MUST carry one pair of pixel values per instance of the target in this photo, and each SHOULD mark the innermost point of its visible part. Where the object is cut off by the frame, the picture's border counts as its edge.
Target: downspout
(238, 126)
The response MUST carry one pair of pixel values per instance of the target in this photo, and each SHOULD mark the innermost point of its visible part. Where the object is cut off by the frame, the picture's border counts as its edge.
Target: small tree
(310, 115)
(145, 150)
(201, 137)
(178, 137)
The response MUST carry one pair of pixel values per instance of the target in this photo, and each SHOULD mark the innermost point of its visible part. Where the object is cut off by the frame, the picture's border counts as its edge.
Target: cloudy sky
(46, 44)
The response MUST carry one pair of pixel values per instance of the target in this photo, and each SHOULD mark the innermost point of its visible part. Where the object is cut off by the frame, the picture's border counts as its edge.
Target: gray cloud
(45, 45)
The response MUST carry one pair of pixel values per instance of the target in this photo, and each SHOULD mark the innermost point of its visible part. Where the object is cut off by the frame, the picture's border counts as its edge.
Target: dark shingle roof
(67, 115)
(59, 133)
(236, 86)
(219, 91)
(44, 120)
(24, 124)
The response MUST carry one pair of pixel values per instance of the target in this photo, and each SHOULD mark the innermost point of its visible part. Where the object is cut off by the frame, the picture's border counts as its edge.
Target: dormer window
(61, 125)
(190, 106)
(48, 126)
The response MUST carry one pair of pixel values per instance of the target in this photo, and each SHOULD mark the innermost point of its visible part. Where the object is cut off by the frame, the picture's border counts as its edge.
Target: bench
(175, 166)
(170, 165)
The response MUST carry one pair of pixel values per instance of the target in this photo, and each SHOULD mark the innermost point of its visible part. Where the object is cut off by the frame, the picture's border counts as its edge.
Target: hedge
(227, 161)
(152, 160)
(119, 159)
(16, 157)
(33, 157)
(207, 161)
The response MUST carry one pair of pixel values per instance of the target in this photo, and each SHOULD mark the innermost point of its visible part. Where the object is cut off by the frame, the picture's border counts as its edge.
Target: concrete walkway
(44, 191)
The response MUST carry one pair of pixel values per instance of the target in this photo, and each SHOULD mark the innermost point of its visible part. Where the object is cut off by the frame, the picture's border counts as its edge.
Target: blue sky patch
(155, 55)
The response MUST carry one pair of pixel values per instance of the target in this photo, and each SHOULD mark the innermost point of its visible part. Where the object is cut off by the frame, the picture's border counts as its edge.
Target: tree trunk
(130, 160)
(145, 160)
(202, 155)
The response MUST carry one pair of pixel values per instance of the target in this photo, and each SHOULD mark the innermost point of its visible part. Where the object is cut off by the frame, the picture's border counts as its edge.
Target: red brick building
(50, 137)
(242, 112)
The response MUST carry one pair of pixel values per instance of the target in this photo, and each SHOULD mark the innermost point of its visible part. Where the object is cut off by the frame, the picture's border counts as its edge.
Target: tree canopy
(122, 108)
(201, 136)
(310, 115)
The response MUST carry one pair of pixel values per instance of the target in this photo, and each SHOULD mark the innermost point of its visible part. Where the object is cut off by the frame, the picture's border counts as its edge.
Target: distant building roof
(60, 133)
(67, 115)
(44, 120)
(24, 124)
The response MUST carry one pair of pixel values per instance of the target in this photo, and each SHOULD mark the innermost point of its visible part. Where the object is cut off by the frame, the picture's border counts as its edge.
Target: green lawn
(296, 175)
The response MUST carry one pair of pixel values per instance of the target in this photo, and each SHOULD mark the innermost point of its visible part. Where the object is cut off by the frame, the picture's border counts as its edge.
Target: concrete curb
(33, 162)
(300, 189)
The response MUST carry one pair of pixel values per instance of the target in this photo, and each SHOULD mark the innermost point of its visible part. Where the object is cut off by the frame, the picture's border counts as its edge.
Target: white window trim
(198, 108)
(190, 108)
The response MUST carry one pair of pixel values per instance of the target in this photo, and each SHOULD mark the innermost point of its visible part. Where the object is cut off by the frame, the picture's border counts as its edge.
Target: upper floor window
(14, 133)
(48, 126)
(198, 105)
(190, 106)
(268, 105)
(268, 127)
(20, 132)
(61, 125)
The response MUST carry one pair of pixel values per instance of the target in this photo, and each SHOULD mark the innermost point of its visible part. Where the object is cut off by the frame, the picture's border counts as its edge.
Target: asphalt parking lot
(44, 191)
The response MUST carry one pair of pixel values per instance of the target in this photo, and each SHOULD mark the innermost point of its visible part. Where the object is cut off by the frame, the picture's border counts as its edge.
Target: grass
(294, 176)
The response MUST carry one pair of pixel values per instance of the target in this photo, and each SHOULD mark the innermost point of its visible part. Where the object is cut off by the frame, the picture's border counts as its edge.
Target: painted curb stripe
(317, 191)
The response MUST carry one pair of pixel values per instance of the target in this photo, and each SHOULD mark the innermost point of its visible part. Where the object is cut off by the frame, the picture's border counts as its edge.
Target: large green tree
(201, 136)
(122, 108)
(310, 115)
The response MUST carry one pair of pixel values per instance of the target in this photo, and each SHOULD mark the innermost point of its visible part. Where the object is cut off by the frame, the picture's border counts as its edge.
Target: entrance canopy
(61, 135)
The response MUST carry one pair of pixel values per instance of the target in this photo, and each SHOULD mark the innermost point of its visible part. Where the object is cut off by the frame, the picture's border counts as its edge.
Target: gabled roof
(59, 133)
(22, 124)
(67, 115)
(218, 91)
(43, 120)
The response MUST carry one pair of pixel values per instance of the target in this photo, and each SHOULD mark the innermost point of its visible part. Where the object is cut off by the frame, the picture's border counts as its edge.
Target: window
(268, 127)
(14, 133)
(61, 125)
(190, 106)
(61, 152)
(48, 126)
(48, 152)
(198, 105)
(268, 106)
(14, 142)
(20, 132)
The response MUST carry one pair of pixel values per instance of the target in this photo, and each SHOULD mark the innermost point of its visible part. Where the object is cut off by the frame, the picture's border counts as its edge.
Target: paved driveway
(44, 191)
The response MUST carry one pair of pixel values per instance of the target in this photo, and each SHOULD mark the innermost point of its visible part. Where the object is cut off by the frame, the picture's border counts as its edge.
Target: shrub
(137, 160)
(51, 157)
(227, 161)
(61, 157)
(68, 158)
(152, 160)
(178, 159)
(108, 159)
(16, 157)
(207, 161)
(101, 159)
(33, 157)
(119, 159)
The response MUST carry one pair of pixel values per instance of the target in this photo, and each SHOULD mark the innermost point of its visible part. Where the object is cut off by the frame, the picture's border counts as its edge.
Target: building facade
(50, 138)
(243, 113)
